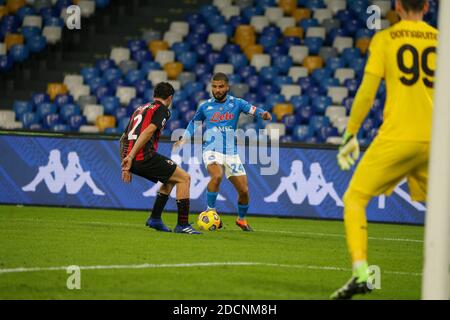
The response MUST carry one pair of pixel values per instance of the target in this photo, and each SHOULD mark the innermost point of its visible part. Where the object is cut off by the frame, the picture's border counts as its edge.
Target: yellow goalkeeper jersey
(405, 56)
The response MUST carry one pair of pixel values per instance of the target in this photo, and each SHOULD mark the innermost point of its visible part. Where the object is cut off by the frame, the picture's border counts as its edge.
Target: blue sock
(211, 197)
(242, 210)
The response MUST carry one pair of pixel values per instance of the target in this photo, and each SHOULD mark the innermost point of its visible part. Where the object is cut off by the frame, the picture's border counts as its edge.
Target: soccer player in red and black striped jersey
(138, 149)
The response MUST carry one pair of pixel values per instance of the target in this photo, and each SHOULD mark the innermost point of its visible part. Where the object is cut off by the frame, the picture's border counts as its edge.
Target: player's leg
(182, 181)
(215, 172)
(214, 164)
(155, 221)
(382, 167)
(235, 172)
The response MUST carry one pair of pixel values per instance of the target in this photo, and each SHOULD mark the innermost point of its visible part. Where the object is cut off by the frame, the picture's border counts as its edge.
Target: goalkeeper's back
(405, 56)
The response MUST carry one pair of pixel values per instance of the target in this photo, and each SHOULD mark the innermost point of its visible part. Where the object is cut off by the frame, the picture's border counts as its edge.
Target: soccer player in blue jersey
(221, 115)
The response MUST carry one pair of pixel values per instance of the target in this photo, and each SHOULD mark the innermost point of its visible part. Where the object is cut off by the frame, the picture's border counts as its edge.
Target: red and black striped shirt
(143, 116)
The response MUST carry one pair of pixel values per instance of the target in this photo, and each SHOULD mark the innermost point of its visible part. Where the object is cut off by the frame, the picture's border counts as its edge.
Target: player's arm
(349, 149)
(192, 126)
(254, 111)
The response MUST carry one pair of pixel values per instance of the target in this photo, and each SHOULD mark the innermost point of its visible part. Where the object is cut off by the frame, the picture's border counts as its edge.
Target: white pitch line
(193, 265)
(317, 234)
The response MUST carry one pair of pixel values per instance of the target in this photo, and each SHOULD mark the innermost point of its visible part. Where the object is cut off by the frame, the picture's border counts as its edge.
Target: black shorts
(157, 168)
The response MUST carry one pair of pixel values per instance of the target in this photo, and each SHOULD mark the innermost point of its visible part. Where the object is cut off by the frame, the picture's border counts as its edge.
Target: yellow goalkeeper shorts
(387, 162)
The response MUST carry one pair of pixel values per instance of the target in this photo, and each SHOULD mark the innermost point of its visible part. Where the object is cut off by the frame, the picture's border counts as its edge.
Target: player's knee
(243, 192)
(354, 198)
(216, 179)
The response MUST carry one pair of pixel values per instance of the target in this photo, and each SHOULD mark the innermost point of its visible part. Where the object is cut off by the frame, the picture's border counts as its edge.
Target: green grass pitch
(282, 259)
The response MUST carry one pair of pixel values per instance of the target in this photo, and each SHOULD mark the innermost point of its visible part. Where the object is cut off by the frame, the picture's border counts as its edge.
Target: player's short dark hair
(413, 5)
(163, 90)
(220, 76)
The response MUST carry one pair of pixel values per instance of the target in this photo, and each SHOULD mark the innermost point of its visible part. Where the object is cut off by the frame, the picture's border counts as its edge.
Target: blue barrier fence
(79, 172)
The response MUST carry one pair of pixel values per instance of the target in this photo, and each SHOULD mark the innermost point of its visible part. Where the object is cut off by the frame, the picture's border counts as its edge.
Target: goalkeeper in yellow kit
(405, 56)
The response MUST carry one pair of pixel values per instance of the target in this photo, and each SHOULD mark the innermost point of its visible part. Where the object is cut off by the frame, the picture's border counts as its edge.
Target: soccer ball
(208, 221)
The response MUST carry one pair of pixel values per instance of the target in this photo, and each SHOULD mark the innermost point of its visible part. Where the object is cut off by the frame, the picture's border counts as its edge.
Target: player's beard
(222, 97)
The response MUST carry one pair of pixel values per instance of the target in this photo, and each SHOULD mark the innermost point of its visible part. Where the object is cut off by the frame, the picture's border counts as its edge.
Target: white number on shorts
(137, 121)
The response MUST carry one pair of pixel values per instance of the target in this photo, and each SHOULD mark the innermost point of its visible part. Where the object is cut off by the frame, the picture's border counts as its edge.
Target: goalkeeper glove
(348, 152)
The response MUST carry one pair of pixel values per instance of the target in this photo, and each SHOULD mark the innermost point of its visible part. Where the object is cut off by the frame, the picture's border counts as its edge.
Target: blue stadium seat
(29, 118)
(352, 26)
(51, 119)
(133, 76)
(112, 74)
(314, 91)
(103, 91)
(62, 99)
(19, 53)
(272, 30)
(358, 65)
(333, 33)
(200, 96)
(110, 104)
(352, 85)
(321, 103)
(326, 132)
(68, 110)
(364, 33)
(194, 19)
(48, 12)
(60, 128)
(269, 74)
(185, 106)
(214, 58)
(44, 109)
(273, 99)
(191, 87)
(268, 41)
(277, 51)
(215, 20)
(372, 133)
(96, 82)
(304, 114)
(251, 11)
(29, 32)
(141, 56)
(299, 102)
(180, 47)
(335, 63)
(267, 90)
(21, 107)
(302, 133)
(6, 63)
(224, 28)
(282, 80)
(254, 82)
(290, 121)
(175, 124)
(283, 63)
(134, 104)
(25, 11)
(306, 23)
(208, 10)
(253, 98)
(235, 21)
(104, 64)
(141, 86)
(319, 74)
(233, 79)
(148, 66)
(37, 44)
(39, 98)
(305, 83)
(188, 59)
(54, 22)
(347, 103)
(123, 123)
(314, 44)
(230, 49)
(345, 15)
(318, 122)
(350, 54)
(315, 4)
(89, 73)
(247, 71)
(291, 41)
(136, 45)
(265, 3)
(238, 61)
(329, 82)
(203, 50)
(121, 113)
